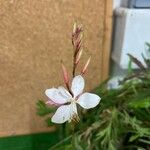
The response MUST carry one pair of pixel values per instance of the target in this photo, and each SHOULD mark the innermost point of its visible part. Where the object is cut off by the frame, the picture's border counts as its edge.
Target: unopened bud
(78, 45)
(79, 56)
(81, 36)
(74, 28)
(79, 41)
(65, 75)
(85, 66)
(79, 28)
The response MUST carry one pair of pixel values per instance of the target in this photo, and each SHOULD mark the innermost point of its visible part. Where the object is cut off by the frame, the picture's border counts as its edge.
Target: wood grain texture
(34, 38)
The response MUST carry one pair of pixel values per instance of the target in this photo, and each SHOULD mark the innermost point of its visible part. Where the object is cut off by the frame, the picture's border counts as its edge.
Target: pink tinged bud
(78, 45)
(79, 56)
(79, 40)
(65, 75)
(85, 66)
(79, 28)
(74, 28)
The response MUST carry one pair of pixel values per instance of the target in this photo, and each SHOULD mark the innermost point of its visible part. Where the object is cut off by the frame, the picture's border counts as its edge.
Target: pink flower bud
(79, 56)
(79, 41)
(74, 28)
(65, 75)
(78, 45)
(85, 66)
(79, 29)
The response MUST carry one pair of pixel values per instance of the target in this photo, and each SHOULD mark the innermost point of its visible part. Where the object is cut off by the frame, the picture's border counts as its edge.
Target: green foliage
(43, 109)
(130, 67)
(142, 103)
(120, 122)
(148, 44)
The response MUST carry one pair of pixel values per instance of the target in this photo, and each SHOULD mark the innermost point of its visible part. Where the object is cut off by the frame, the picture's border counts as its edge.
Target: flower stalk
(66, 78)
(77, 36)
(83, 71)
(68, 100)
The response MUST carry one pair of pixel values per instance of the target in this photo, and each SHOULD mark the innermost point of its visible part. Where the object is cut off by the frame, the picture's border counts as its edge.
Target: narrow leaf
(137, 62)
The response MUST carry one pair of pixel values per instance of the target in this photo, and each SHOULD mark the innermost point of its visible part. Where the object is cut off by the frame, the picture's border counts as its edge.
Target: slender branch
(59, 143)
(74, 65)
(73, 137)
(77, 44)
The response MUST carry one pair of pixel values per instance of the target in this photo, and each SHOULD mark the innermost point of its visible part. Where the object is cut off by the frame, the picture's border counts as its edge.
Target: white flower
(68, 109)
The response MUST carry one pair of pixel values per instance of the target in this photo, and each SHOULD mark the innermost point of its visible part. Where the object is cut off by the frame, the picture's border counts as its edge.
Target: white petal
(77, 85)
(56, 96)
(73, 109)
(73, 113)
(52, 103)
(64, 92)
(62, 114)
(88, 100)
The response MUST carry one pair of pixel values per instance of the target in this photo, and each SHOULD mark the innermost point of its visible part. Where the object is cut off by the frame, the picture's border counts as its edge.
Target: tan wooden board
(34, 38)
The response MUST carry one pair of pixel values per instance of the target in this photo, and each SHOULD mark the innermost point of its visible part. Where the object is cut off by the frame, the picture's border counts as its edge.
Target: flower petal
(56, 96)
(77, 85)
(52, 103)
(73, 109)
(88, 100)
(64, 92)
(62, 114)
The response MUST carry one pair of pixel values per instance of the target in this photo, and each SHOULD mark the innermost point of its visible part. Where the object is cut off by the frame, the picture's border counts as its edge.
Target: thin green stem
(59, 143)
(73, 137)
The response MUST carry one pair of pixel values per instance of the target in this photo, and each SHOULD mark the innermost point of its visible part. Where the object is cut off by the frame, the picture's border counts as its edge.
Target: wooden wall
(34, 38)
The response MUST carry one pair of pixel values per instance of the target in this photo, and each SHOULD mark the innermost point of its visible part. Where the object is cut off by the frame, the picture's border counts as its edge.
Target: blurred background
(34, 37)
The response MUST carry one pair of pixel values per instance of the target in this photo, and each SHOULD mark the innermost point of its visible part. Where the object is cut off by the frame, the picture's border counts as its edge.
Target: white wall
(120, 3)
(115, 70)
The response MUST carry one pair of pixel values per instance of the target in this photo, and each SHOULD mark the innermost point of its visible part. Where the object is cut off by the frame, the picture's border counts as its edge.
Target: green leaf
(43, 109)
(48, 121)
(130, 66)
(111, 146)
(137, 62)
(147, 61)
(148, 44)
(133, 137)
(143, 103)
(144, 141)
